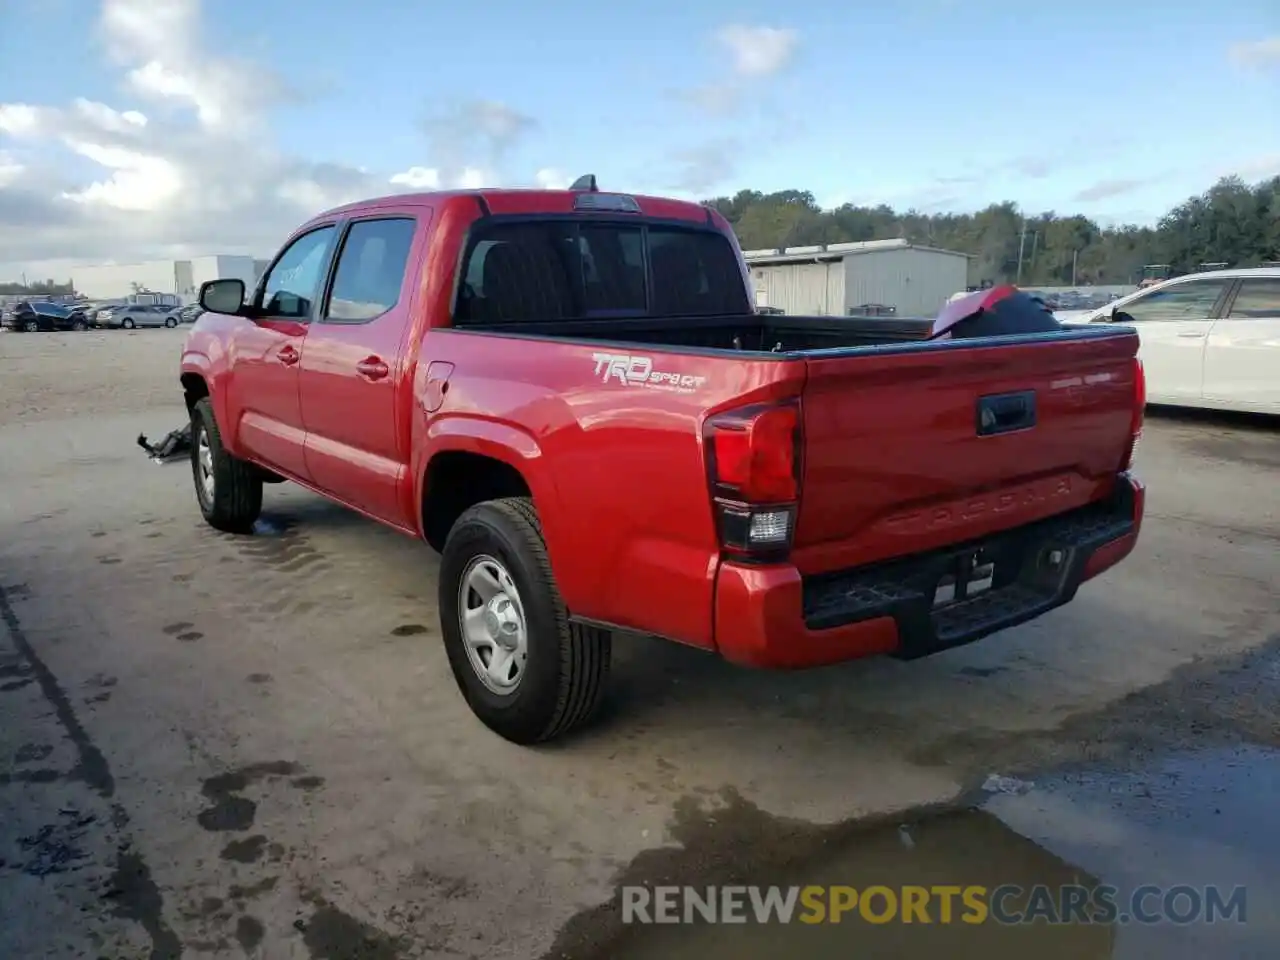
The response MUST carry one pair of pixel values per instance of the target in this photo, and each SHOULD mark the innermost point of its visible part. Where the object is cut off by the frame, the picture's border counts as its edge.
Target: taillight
(1139, 412)
(753, 466)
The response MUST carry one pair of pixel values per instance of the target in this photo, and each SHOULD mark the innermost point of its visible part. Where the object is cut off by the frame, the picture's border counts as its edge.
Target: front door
(354, 373)
(262, 397)
(1242, 360)
(1173, 323)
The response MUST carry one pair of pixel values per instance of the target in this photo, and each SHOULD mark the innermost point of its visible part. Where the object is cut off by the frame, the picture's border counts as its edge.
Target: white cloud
(10, 169)
(755, 53)
(20, 119)
(758, 51)
(417, 178)
(549, 178)
(141, 182)
(189, 166)
(1256, 53)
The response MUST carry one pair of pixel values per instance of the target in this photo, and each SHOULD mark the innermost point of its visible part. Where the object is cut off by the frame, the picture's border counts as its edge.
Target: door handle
(288, 356)
(373, 368)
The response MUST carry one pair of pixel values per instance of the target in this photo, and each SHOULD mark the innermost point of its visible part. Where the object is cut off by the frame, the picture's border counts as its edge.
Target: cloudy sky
(132, 129)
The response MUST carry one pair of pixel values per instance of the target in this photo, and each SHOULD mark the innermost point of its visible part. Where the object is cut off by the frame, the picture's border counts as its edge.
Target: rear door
(354, 368)
(913, 449)
(1174, 323)
(1242, 358)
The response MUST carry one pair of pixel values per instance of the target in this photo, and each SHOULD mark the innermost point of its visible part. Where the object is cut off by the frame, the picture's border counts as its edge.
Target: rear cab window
(578, 268)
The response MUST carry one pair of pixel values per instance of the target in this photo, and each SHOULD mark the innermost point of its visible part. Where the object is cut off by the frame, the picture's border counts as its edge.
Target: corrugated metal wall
(917, 282)
(801, 289)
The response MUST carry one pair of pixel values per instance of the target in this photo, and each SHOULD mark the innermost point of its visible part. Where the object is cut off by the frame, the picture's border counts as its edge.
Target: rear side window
(1256, 299)
(371, 267)
(571, 270)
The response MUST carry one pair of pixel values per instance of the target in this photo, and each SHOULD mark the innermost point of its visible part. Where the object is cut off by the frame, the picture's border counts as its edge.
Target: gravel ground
(219, 746)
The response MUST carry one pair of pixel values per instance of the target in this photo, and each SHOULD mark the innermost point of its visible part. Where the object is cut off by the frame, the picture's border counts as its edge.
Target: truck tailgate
(910, 449)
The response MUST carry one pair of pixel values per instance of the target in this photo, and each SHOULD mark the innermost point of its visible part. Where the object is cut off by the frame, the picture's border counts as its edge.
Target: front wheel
(31, 326)
(228, 489)
(79, 326)
(170, 322)
(527, 671)
(126, 324)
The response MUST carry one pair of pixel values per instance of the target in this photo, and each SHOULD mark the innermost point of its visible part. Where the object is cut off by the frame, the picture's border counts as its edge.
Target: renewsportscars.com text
(1009, 904)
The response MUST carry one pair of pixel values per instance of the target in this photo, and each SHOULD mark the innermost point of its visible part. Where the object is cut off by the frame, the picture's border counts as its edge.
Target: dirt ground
(220, 746)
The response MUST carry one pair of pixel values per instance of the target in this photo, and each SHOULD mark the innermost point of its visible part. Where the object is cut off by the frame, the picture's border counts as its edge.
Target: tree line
(38, 288)
(1232, 223)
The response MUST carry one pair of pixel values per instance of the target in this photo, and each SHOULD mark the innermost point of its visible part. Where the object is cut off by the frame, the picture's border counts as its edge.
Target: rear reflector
(608, 202)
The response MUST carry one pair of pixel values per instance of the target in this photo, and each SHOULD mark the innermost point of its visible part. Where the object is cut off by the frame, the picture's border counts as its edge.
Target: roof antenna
(586, 182)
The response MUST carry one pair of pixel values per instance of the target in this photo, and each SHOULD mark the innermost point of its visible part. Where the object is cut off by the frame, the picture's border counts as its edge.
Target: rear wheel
(526, 670)
(228, 489)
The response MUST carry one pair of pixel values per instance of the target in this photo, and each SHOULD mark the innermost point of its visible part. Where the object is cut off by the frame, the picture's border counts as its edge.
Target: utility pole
(1075, 255)
(1022, 243)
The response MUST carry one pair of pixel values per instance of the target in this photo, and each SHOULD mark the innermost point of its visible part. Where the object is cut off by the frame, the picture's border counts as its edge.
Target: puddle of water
(1201, 820)
(960, 849)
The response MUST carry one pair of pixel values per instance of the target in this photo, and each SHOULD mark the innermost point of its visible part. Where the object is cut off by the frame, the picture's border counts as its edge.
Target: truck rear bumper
(771, 616)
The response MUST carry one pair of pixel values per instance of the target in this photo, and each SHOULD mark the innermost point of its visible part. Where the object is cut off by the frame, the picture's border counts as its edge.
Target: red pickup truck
(570, 395)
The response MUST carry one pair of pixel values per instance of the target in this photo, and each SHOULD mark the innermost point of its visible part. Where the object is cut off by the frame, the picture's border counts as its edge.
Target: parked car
(188, 314)
(1209, 339)
(569, 395)
(33, 315)
(130, 316)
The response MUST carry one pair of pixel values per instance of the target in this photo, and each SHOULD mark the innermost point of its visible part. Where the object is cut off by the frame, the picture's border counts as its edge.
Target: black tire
(79, 326)
(237, 488)
(170, 322)
(31, 326)
(126, 324)
(566, 672)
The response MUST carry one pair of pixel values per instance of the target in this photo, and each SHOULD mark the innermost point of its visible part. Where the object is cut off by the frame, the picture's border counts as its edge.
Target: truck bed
(764, 335)
(750, 333)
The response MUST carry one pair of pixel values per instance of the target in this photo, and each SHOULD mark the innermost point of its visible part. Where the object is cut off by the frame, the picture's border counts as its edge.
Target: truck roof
(524, 200)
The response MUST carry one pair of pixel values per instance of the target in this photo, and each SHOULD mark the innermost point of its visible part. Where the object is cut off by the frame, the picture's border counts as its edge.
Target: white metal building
(837, 279)
(181, 277)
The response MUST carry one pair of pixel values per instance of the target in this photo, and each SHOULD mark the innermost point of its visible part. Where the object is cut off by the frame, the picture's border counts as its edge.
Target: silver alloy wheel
(491, 619)
(204, 462)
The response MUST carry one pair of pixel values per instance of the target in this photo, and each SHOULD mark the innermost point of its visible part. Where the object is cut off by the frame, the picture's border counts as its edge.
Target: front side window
(1257, 299)
(294, 280)
(1193, 300)
(371, 268)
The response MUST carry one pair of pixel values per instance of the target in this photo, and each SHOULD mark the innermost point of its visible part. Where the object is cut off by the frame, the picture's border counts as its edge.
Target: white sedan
(1208, 339)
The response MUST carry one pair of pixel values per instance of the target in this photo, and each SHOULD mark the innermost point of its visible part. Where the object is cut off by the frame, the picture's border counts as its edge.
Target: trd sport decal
(633, 371)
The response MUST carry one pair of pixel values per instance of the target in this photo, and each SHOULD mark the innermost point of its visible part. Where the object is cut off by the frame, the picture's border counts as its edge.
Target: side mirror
(222, 296)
